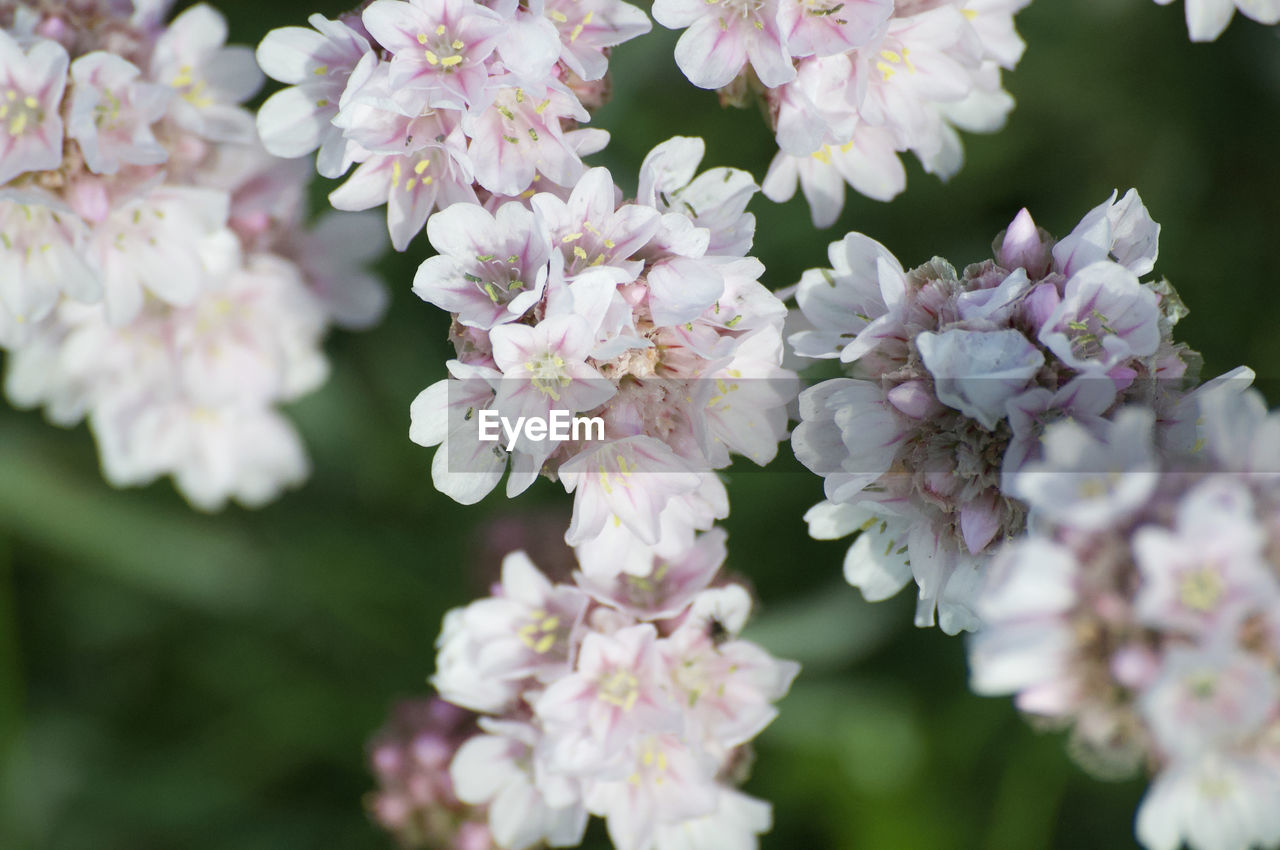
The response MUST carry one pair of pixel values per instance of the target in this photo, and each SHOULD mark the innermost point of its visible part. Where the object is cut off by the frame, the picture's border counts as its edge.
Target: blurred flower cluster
(627, 697)
(1142, 611)
(154, 274)
(415, 800)
(952, 379)
(647, 315)
(443, 101)
(849, 84)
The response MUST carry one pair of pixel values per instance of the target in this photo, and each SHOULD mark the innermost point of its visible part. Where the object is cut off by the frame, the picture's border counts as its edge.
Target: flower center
(1201, 589)
(620, 688)
(546, 372)
(440, 50)
(541, 633)
(21, 113)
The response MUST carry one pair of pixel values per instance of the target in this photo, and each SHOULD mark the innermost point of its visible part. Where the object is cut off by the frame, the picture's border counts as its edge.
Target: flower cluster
(645, 316)
(1143, 611)
(849, 84)
(952, 379)
(631, 698)
(1208, 19)
(415, 801)
(153, 273)
(443, 101)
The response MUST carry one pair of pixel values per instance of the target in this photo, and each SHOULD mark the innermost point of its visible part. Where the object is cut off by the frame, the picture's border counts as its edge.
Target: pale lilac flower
(952, 378)
(520, 134)
(1149, 630)
(490, 269)
(1208, 19)
(317, 64)
(576, 304)
(643, 718)
(818, 27)
(112, 112)
(724, 37)
(490, 647)
(438, 50)
(41, 258)
(493, 769)
(588, 28)
(32, 81)
(210, 78)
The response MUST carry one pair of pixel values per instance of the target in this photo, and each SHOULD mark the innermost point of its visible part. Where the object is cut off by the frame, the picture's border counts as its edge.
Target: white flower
(1207, 19)
(317, 63)
(32, 81)
(112, 112)
(209, 78)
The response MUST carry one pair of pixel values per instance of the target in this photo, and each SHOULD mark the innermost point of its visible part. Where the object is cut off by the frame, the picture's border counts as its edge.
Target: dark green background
(174, 680)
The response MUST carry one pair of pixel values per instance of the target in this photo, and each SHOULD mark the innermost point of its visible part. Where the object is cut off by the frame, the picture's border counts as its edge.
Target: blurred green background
(169, 679)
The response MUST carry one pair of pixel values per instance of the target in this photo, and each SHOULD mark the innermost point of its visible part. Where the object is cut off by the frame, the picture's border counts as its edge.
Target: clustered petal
(643, 315)
(438, 103)
(1151, 626)
(849, 85)
(952, 378)
(154, 276)
(633, 699)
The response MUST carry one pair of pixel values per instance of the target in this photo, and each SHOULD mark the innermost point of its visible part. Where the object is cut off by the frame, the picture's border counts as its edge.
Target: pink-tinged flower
(977, 372)
(588, 28)
(1208, 699)
(616, 693)
(1214, 803)
(438, 49)
(489, 269)
(520, 134)
(664, 781)
(627, 482)
(1106, 317)
(592, 231)
(490, 647)
(317, 64)
(728, 687)
(1122, 230)
(112, 112)
(736, 824)
(1027, 647)
(814, 108)
(1211, 572)
(335, 255)
(1089, 481)
(724, 36)
(494, 769)
(32, 81)
(209, 77)
(670, 586)
(831, 27)
(163, 243)
(412, 186)
(992, 20)
(868, 162)
(1084, 400)
(445, 414)
(544, 368)
(716, 199)
(1208, 19)
(41, 258)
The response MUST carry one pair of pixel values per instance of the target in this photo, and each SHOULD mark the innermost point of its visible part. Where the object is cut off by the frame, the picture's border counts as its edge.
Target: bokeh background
(170, 679)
